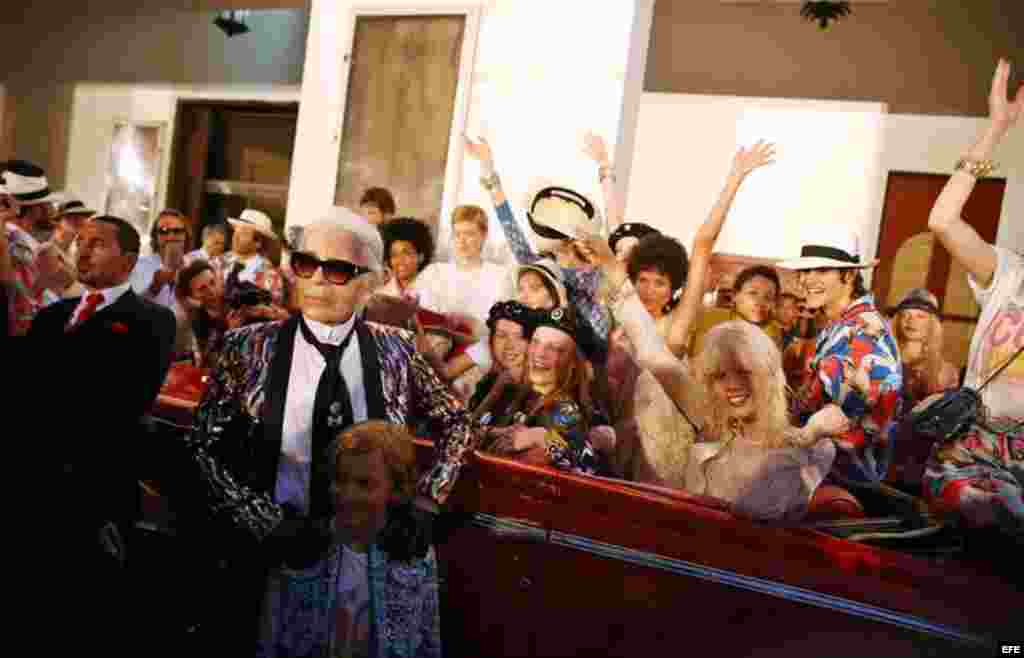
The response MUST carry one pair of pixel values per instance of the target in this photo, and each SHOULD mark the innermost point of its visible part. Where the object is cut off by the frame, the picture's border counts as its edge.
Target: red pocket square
(119, 327)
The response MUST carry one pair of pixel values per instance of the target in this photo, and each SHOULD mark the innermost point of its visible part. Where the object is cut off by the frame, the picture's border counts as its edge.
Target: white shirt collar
(331, 334)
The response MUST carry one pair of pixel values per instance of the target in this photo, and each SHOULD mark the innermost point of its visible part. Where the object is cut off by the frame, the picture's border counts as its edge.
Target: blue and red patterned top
(857, 366)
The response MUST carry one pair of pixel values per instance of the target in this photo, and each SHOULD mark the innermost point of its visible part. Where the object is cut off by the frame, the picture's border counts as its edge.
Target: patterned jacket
(980, 475)
(405, 620)
(27, 297)
(239, 422)
(857, 366)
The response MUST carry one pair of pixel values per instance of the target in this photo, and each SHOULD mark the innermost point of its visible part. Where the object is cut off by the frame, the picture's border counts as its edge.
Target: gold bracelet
(490, 182)
(975, 168)
(554, 440)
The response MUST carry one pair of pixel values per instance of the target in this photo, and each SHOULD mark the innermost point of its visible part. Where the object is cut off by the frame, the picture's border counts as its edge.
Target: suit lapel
(276, 390)
(375, 408)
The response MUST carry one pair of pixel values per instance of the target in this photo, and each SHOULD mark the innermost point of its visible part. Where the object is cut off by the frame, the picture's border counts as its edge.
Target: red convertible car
(545, 563)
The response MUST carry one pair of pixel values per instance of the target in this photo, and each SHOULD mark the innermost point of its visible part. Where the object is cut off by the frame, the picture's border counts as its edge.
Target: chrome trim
(772, 588)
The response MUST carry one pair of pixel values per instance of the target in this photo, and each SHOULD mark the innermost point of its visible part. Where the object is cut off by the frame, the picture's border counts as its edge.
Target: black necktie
(332, 412)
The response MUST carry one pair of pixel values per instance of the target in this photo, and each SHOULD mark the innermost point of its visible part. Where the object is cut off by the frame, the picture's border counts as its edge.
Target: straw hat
(837, 248)
(255, 220)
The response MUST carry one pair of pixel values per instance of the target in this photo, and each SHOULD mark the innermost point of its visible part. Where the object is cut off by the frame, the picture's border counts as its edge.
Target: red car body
(547, 563)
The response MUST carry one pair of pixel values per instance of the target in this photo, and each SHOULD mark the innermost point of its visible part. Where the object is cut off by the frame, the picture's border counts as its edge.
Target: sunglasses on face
(170, 231)
(338, 272)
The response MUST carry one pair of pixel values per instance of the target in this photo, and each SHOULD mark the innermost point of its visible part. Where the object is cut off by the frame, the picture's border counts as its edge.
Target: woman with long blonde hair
(742, 447)
(918, 332)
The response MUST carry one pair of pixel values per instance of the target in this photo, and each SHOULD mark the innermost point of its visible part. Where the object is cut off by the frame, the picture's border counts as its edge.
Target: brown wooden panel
(909, 198)
(7, 117)
(403, 76)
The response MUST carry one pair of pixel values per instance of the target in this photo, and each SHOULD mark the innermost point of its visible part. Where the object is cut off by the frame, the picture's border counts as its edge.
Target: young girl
(375, 592)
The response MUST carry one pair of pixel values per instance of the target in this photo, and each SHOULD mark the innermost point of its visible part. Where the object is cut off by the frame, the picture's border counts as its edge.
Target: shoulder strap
(1001, 369)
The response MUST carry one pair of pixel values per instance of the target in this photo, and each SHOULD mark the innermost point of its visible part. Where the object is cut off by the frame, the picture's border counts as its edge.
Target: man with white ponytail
(281, 391)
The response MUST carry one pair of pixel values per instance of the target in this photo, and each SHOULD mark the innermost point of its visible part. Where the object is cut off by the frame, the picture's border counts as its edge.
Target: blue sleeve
(517, 241)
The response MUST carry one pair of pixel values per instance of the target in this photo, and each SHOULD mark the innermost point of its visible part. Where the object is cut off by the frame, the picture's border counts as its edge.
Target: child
(375, 593)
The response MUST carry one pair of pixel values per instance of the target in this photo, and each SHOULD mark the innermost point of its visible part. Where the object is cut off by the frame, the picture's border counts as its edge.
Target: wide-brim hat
(558, 213)
(74, 208)
(839, 250)
(26, 183)
(920, 299)
(550, 271)
(630, 230)
(255, 220)
(459, 329)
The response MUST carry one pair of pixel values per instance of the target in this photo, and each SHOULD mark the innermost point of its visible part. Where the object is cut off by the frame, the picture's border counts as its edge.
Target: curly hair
(407, 532)
(380, 197)
(183, 288)
(763, 271)
(413, 231)
(662, 254)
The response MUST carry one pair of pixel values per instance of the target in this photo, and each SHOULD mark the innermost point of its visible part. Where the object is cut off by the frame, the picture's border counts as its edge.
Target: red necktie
(92, 300)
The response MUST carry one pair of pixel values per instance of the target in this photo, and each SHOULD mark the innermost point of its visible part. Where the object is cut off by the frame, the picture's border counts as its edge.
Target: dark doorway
(229, 156)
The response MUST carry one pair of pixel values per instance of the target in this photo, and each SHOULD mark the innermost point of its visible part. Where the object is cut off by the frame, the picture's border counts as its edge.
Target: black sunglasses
(170, 231)
(338, 272)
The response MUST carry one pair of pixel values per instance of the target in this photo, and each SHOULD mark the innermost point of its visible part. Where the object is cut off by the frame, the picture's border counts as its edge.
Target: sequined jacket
(404, 607)
(237, 441)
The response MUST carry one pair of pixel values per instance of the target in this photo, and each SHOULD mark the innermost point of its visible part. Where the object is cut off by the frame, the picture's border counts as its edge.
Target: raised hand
(1003, 111)
(594, 148)
(479, 150)
(747, 160)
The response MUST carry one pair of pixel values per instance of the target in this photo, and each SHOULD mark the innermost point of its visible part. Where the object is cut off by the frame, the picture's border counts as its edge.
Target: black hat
(412, 230)
(630, 230)
(510, 310)
(920, 299)
(566, 222)
(560, 317)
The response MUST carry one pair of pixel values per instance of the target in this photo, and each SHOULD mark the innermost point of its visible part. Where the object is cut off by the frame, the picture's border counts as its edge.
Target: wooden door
(911, 256)
(399, 109)
(188, 171)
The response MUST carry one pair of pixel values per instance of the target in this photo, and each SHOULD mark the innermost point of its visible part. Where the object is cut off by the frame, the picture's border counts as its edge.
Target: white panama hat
(838, 249)
(27, 185)
(255, 220)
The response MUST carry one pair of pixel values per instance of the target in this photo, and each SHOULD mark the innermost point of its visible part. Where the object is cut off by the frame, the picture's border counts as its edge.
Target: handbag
(955, 411)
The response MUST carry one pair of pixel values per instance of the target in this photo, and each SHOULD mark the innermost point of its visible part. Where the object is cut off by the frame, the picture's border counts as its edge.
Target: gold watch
(976, 168)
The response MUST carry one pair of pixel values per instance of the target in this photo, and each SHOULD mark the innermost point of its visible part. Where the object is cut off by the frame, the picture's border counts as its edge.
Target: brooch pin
(335, 408)
(119, 328)
(556, 315)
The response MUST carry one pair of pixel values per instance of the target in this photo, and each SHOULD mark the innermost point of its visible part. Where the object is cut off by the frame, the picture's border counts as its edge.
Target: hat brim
(256, 227)
(52, 197)
(817, 262)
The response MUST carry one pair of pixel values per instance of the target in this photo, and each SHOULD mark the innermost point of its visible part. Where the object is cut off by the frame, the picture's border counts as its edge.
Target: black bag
(954, 413)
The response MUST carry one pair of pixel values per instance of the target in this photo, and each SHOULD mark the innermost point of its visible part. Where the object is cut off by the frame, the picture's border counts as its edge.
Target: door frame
(460, 109)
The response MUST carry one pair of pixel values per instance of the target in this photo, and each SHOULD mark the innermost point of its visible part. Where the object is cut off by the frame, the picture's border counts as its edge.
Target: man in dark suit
(114, 350)
(281, 391)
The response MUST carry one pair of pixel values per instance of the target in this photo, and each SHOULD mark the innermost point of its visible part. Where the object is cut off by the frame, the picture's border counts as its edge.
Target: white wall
(97, 107)
(933, 144)
(833, 159)
(828, 169)
(544, 73)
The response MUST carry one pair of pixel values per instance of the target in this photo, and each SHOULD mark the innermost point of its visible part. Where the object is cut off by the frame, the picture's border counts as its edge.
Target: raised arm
(651, 351)
(744, 162)
(595, 149)
(517, 242)
(957, 236)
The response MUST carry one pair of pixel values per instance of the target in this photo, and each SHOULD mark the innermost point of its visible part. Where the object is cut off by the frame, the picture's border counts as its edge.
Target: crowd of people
(596, 353)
